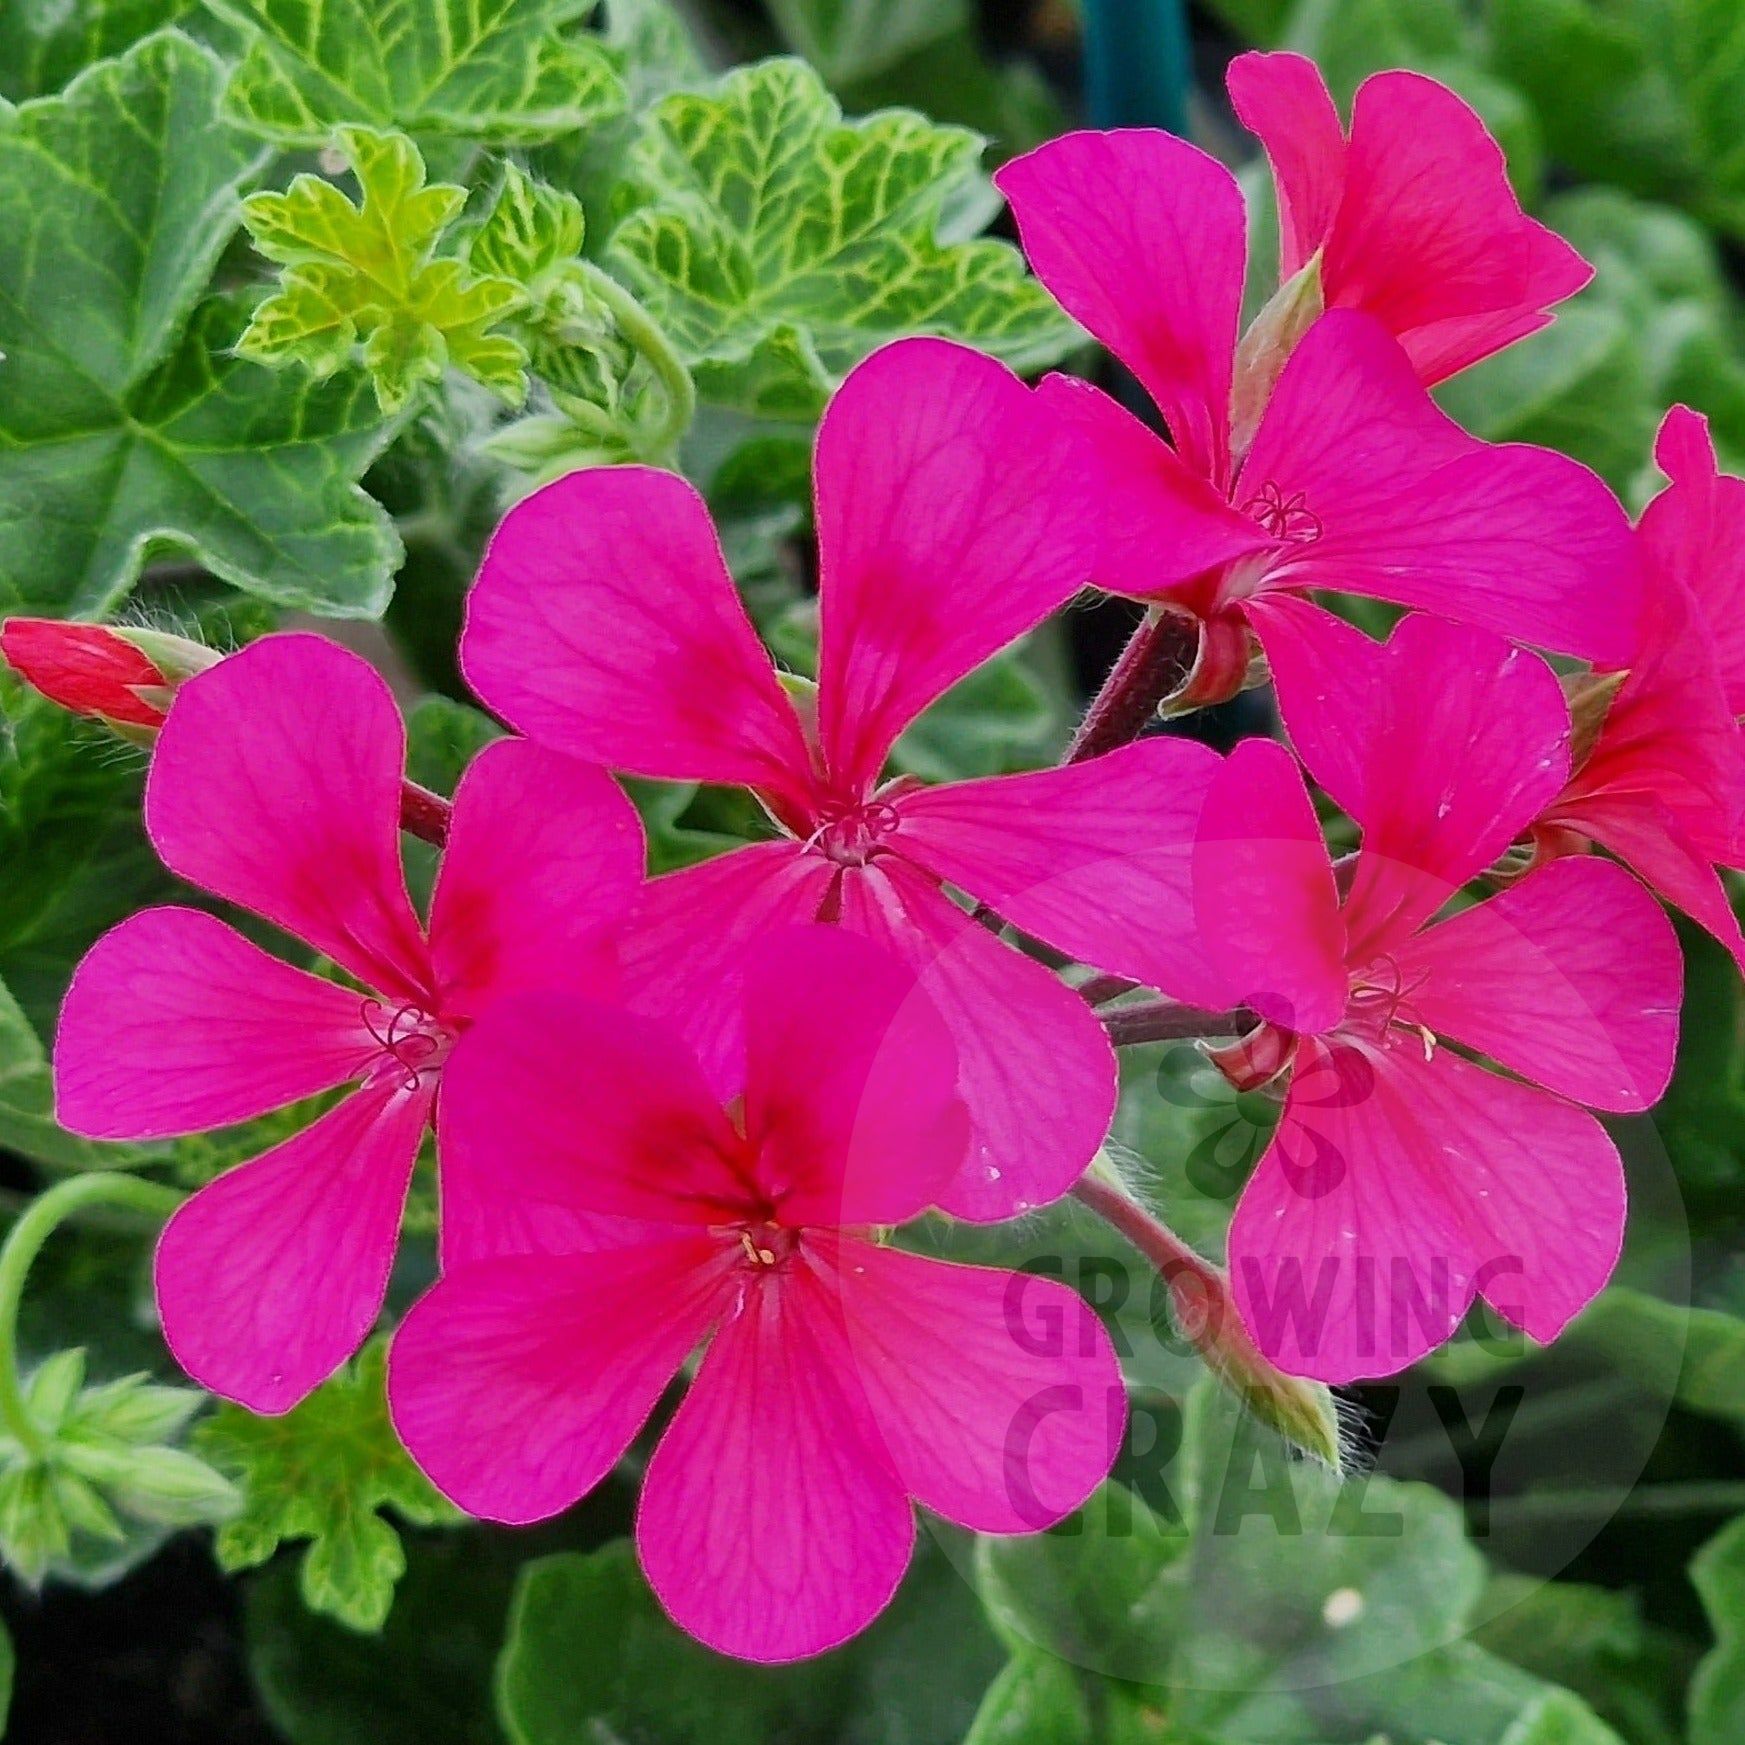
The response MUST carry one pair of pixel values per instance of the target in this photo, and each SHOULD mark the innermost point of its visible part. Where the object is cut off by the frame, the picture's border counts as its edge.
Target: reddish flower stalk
(1205, 1312)
(424, 814)
(1153, 665)
(1169, 1021)
(1154, 1239)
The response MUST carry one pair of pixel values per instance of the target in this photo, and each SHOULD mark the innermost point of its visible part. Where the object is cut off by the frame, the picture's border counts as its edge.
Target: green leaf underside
(126, 425)
(502, 71)
(323, 1472)
(369, 274)
(778, 245)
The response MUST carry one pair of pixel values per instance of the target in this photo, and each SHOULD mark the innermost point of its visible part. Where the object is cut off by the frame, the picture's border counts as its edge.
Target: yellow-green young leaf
(778, 245)
(322, 1472)
(368, 276)
(127, 422)
(529, 231)
(502, 71)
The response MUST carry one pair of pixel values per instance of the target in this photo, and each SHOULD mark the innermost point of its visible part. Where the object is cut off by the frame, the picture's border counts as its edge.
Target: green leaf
(1717, 1694)
(1353, 38)
(129, 427)
(1036, 1700)
(27, 1123)
(1664, 275)
(589, 1654)
(43, 43)
(323, 1472)
(652, 46)
(529, 230)
(1103, 1589)
(532, 236)
(370, 275)
(1283, 1606)
(501, 71)
(777, 245)
(952, 77)
(848, 40)
(1689, 1355)
(424, 1680)
(1592, 1639)
(76, 858)
(1260, 22)
(1641, 93)
(1702, 1350)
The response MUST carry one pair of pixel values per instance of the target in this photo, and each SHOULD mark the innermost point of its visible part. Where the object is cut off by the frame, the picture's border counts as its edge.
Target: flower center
(1379, 1007)
(766, 1247)
(1283, 517)
(413, 1044)
(854, 836)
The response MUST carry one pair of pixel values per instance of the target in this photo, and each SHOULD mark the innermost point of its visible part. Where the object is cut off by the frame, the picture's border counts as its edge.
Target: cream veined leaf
(367, 275)
(129, 425)
(532, 236)
(777, 244)
(530, 231)
(501, 71)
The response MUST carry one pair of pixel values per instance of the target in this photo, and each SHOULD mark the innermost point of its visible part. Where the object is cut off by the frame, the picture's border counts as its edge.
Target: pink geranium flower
(1412, 216)
(1352, 479)
(1404, 1179)
(1663, 782)
(1658, 774)
(842, 1378)
(950, 521)
(276, 785)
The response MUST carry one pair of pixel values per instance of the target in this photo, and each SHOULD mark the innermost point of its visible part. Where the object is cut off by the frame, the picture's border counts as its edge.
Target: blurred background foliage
(603, 242)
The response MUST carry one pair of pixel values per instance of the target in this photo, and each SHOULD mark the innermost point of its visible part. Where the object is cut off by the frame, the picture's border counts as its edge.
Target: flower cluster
(689, 1111)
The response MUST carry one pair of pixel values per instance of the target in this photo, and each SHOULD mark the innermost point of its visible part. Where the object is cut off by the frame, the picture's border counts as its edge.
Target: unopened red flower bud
(119, 675)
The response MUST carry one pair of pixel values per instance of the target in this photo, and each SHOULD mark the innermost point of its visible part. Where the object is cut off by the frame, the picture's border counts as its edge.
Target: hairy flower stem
(1167, 1021)
(1301, 1411)
(39, 1220)
(1155, 662)
(424, 814)
(1151, 1236)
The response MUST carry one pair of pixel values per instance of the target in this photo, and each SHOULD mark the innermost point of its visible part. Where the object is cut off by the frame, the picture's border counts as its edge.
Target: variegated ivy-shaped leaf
(127, 422)
(778, 245)
(503, 71)
(369, 275)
